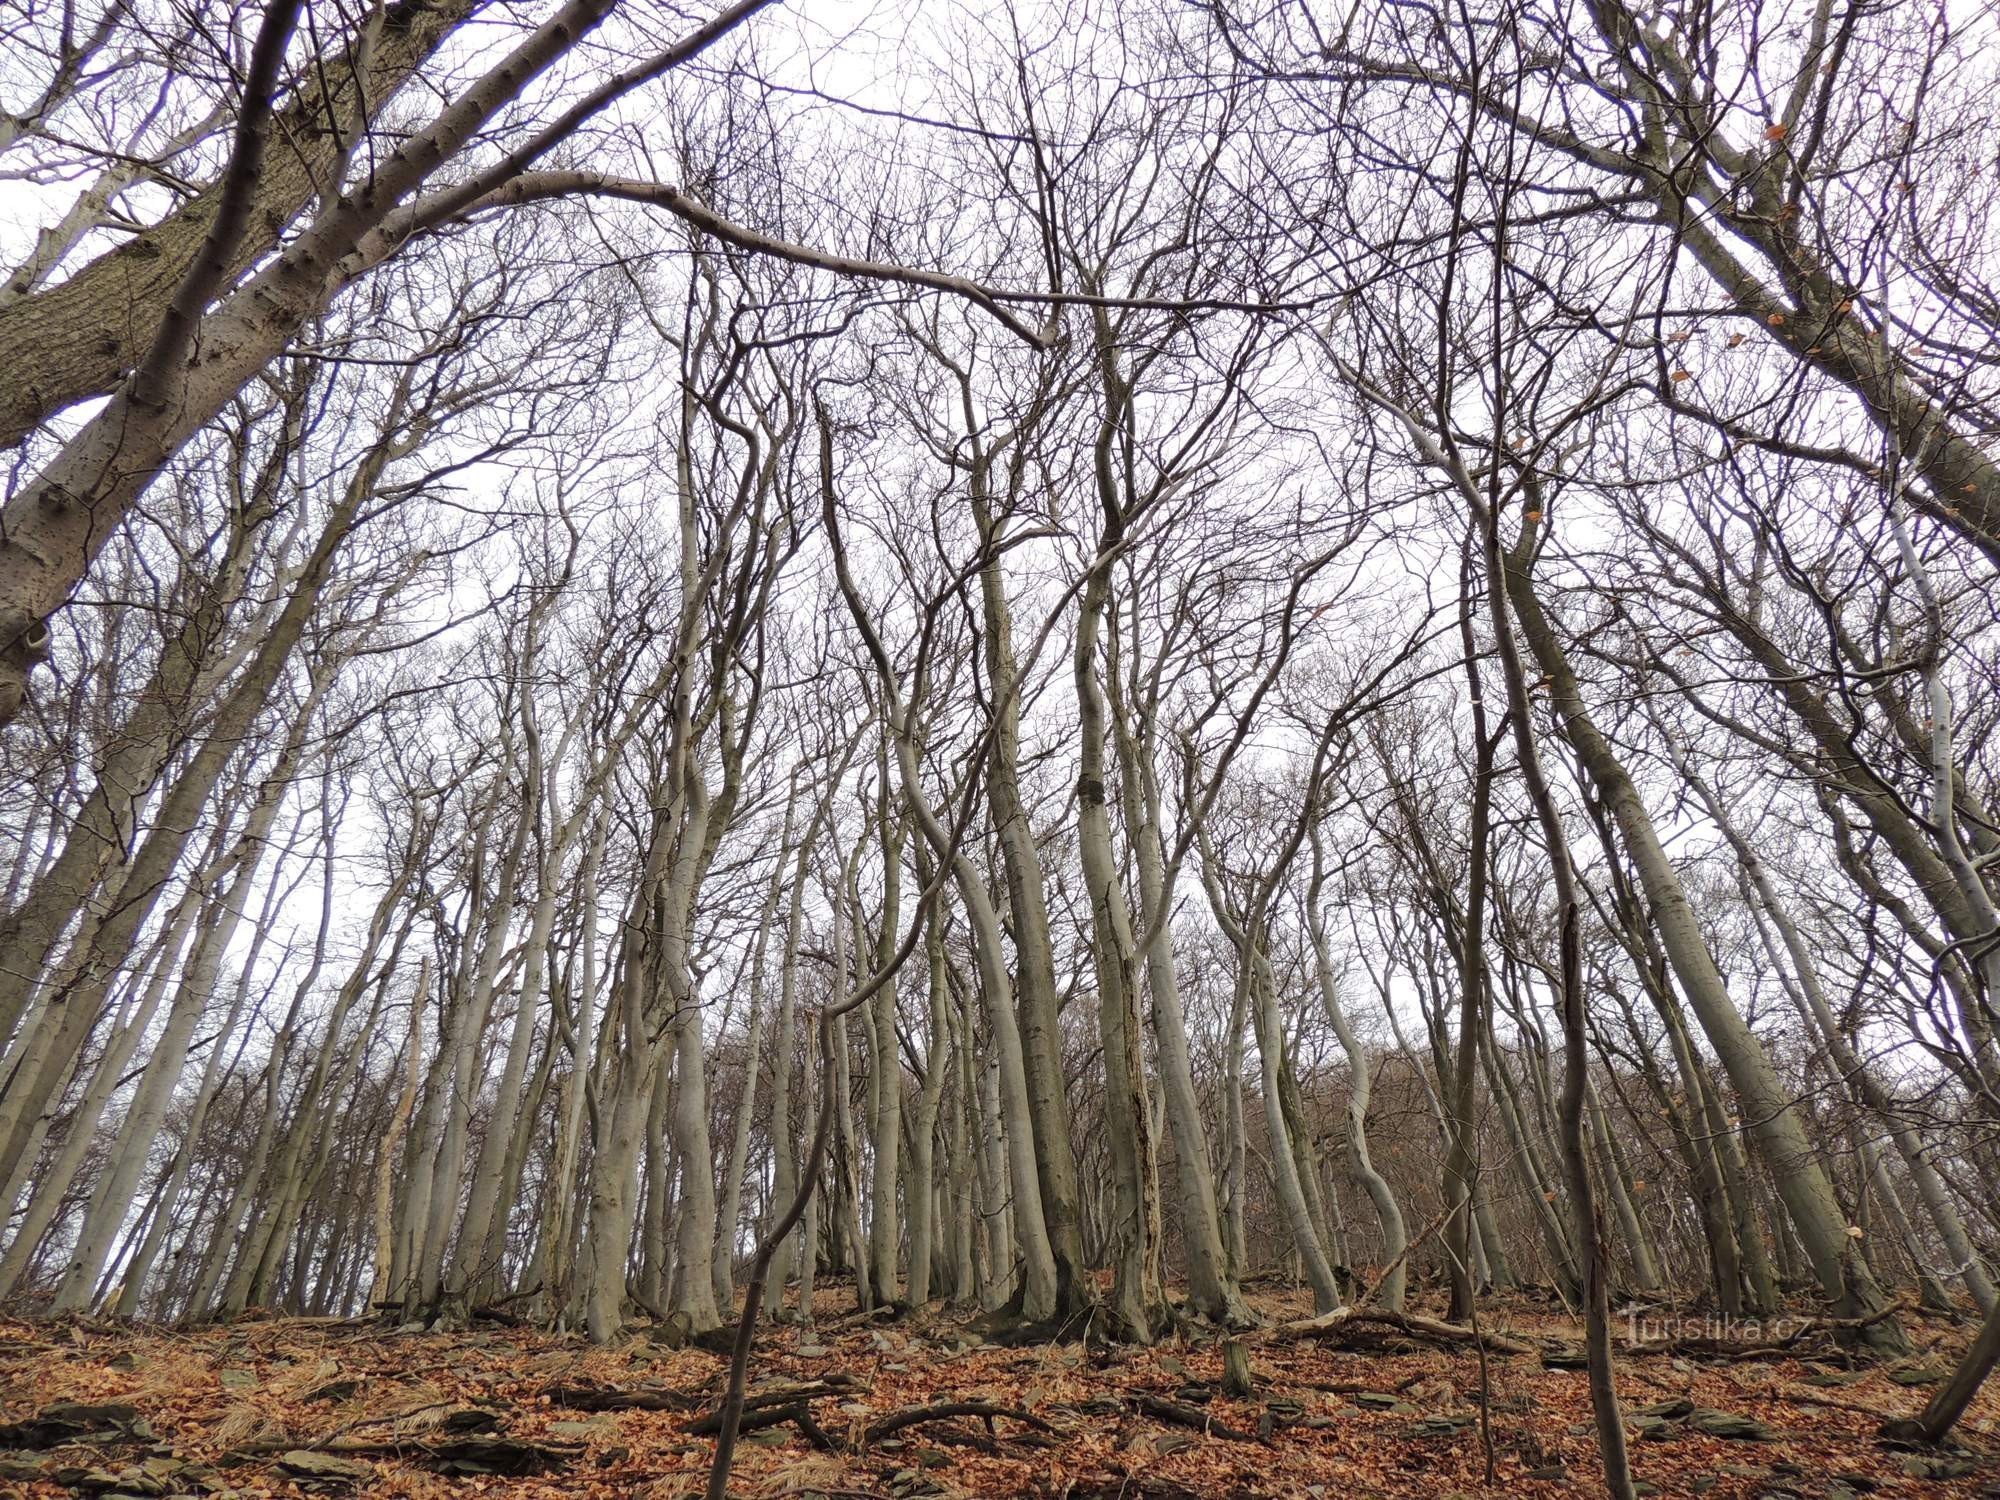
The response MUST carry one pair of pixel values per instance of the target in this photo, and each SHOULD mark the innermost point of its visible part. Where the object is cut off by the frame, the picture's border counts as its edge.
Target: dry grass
(246, 1423)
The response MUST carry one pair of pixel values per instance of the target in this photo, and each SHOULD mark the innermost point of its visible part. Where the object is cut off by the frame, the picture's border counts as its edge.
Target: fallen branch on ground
(779, 1405)
(486, 1454)
(945, 1410)
(1345, 1319)
(618, 1398)
(1173, 1412)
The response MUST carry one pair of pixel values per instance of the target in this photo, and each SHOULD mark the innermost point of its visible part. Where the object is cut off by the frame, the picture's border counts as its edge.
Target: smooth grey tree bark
(1774, 1120)
(1243, 931)
(1360, 1092)
(111, 1204)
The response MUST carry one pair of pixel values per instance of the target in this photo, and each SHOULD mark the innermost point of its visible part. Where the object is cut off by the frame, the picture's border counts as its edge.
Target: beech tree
(646, 680)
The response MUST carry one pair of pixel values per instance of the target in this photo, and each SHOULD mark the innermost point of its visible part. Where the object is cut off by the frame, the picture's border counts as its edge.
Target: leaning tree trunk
(191, 664)
(57, 1177)
(1235, 1136)
(460, 1048)
(1775, 1121)
(622, 1108)
(1810, 996)
(40, 1060)
(1461, 1166)
(1942, 1411)
(1360, 1088)
(1576, 1054)
(842, 1170)
(112, 1204)
(476, 1264)
(267, 1232)
(60, 344)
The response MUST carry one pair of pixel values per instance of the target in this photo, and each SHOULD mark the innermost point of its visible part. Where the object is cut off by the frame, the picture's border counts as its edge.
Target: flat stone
(155, 1477)
(1724, 1424)
(76, 1422)
(1439, 1427)
(1917, 1375)
(494, 1455)
(1380, 1401)
(1938, 1466)
(324, 1468)
(1670, 1411)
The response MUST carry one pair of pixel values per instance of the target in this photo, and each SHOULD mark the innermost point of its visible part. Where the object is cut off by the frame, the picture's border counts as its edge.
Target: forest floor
(268, 1407)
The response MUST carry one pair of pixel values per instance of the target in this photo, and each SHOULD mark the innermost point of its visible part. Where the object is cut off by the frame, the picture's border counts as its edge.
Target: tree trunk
(1776, 1126)
(1138, 1301)
(1360, 1088)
